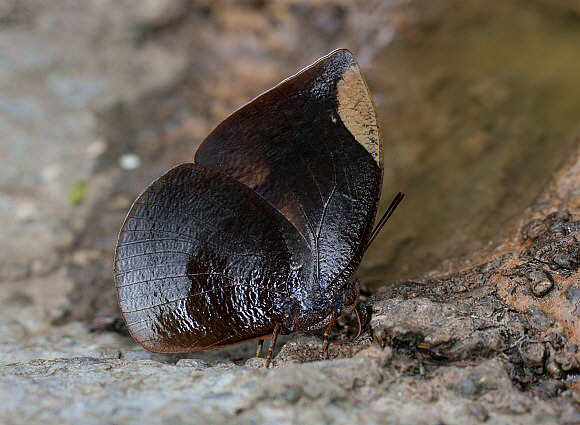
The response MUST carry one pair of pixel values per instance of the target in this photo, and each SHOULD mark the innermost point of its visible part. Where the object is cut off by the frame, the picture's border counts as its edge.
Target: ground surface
(472, 311)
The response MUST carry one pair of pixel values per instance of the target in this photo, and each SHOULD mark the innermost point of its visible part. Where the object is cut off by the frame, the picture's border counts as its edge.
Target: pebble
(129, 162)
(567, 361)
(467, 387)
(533, 353)
(540, 319)
(573, 294)
(541, 282)
(255, 363)
(192, 363)
(553, 369)
(382, 356)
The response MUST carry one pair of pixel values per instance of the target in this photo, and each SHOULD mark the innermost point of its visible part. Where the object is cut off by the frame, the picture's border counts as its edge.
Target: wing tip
(356, 107)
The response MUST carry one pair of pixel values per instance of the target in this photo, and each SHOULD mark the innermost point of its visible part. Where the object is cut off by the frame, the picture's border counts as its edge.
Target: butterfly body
(264, 231)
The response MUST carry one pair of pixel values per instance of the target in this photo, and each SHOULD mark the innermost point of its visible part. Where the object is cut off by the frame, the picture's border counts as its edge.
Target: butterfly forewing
(311, 147)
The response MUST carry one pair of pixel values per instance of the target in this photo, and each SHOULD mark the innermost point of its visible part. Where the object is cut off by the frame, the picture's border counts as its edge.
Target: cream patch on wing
(357, 111)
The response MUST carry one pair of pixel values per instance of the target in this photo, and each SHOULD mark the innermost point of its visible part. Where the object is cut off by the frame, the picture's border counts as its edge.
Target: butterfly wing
(202, 262)
(311, 147)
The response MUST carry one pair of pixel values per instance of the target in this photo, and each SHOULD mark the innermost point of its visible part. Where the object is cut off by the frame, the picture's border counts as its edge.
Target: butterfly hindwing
(202, 262)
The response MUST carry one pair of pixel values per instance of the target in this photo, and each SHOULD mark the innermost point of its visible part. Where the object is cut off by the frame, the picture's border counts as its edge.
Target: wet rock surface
(99, 100)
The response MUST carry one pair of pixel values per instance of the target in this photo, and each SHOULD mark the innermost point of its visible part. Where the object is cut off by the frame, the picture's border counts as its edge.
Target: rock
(532, 353)
(299, 349)
(567, 361)
(382, 356)
(541, 283)
(467, 387)
(255, 363)
(539, 318)
(553, 369)
(555, 244)
(550, 387)
(573, 295)
(129, 162)
(446, 330)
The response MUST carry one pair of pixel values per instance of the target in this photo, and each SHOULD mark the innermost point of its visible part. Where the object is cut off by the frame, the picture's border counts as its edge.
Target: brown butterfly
(261, 235)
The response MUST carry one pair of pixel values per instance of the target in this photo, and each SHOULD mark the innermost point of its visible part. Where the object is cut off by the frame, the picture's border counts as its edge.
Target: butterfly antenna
(388, 213)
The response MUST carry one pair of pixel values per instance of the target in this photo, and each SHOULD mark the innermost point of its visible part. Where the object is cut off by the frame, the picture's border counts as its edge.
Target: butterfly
(262, 233)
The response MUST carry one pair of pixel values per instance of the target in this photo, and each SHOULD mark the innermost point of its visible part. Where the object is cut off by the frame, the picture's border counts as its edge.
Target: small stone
(192, 363)
(533, 229)
(539, 319)
(563, 262)
(255, 363)
(556, 340)
(382, 356)
(467, 387)
(157, 12)
(85, 257)
(550, 387)
(222, 364)
(553, 369)
(120, 203)
(573, 294)
(129, 162)
(567, 361)
(51, 173)
(541, 282)
(533, 353)
(26, 211)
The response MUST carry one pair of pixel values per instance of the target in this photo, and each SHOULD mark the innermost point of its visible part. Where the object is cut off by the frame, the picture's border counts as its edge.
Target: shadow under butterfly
(261, 235)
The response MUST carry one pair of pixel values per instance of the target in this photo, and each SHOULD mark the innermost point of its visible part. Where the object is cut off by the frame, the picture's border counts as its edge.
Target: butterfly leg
(350, 300)
(324, 347)
(259, 348)
(272, 344)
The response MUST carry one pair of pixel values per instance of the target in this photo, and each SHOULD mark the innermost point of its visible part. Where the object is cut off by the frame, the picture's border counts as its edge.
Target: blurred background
(478, 101)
